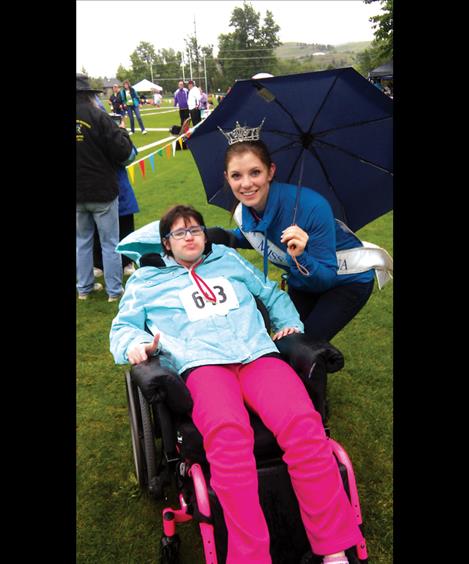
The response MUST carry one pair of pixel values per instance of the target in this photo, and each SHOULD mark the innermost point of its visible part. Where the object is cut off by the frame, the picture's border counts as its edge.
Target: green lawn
(115, 522)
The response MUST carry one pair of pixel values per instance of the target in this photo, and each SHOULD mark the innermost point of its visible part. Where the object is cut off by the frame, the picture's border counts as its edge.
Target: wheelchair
(168, 453)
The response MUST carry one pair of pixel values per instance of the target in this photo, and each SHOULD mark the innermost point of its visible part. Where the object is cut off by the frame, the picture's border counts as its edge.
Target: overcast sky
(108, 32)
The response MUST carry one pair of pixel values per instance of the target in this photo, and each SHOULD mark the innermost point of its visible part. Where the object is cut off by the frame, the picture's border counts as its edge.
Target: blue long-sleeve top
(326, 236)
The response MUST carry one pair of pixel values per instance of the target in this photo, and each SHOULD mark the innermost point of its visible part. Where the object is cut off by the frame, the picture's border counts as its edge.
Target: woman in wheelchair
(200, 309)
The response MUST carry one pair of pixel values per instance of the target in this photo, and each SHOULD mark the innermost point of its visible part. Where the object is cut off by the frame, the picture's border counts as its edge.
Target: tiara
(242, 133)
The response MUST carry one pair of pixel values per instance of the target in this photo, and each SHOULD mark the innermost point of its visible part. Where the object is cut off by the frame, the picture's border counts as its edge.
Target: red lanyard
(210, 296)
(254, 214)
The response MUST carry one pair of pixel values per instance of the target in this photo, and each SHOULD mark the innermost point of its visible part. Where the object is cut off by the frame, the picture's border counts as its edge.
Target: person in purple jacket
(180, 100)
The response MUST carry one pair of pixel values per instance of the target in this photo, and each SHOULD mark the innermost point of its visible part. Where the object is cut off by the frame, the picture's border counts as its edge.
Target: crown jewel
(242, 133)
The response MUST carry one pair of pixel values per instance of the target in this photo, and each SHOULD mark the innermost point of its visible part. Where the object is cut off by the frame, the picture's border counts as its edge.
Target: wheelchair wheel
(148, 441)
(136, 432)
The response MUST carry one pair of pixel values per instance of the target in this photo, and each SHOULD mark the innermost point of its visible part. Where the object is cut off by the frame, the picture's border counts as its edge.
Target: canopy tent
(146, 86)
(383, 72)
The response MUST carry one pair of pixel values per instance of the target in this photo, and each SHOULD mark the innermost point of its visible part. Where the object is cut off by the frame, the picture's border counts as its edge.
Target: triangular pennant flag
(151, 158)
(131, 171)
(159, 152)
(174, 147)
(168, 151)
(180, 142)
(142, 167)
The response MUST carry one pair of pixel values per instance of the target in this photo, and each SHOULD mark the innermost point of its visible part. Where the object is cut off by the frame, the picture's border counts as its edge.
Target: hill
(293, 50)
(322, 55)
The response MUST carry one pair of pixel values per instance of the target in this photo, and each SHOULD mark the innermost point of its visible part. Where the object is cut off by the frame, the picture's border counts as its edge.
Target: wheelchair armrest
(221, 236)
(311, 360)
(159, 383)
(303, 353)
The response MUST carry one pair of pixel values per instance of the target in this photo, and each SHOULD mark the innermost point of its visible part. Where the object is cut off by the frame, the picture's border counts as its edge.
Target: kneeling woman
(201, 312)
(330, 273)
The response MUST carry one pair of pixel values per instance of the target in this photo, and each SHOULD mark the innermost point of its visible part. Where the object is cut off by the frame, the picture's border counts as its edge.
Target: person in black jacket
(101, 148)
(116, 102)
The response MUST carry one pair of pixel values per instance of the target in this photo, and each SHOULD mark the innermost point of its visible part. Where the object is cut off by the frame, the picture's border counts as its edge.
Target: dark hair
(186, 213)
(259, 148)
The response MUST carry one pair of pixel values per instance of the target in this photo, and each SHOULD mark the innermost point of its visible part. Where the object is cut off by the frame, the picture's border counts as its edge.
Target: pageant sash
(350, 261)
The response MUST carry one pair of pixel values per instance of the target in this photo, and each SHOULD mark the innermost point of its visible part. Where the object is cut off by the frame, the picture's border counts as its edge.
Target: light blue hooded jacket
(152, 303)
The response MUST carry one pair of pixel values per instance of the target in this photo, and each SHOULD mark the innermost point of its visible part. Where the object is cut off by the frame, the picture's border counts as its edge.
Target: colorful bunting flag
(170, 148)
(131, 170)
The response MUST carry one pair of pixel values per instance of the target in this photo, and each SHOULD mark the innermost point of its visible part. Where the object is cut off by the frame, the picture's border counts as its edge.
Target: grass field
(115, 522)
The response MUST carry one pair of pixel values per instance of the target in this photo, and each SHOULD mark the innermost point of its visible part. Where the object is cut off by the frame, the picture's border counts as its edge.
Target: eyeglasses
(195, 231)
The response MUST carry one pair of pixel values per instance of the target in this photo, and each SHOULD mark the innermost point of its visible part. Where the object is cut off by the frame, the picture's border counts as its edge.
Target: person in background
(116, 102)
(193, 100)
(218, 343)
(377, 82)
(128, 206)
(203, 104)
(156, 98)
(180, 101)
(131, 103)
(101, 148)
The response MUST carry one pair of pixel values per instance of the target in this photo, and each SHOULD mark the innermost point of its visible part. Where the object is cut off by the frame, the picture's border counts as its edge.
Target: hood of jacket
(144, 240)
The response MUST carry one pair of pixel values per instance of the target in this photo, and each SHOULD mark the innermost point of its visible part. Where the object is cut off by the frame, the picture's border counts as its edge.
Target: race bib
(197, 307)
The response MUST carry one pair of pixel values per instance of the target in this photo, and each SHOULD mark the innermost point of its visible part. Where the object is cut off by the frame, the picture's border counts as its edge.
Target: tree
(381, 49)
(269, 32)
(122, 73)
(142, 60)
(384, 27)
(193, 56)
(249, 49)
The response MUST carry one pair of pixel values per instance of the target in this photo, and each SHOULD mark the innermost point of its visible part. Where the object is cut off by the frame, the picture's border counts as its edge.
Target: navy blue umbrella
(332, 130)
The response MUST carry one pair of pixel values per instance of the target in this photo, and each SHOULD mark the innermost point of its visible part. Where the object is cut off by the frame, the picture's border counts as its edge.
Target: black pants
(195, 116)
(126, 226)
(183, 114)
(326, 313)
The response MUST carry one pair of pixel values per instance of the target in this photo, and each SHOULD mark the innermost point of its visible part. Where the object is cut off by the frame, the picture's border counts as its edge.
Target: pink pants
(273, 390)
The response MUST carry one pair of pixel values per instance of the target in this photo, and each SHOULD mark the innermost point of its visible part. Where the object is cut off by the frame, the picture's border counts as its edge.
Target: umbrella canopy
(146, 86)
(334, 125)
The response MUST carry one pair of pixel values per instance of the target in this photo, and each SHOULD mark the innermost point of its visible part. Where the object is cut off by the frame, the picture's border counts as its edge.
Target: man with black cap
(101, 148)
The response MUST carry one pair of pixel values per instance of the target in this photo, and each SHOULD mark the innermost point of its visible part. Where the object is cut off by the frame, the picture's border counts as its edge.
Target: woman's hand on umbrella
(295, 239)
(284, 332)
(140, 352)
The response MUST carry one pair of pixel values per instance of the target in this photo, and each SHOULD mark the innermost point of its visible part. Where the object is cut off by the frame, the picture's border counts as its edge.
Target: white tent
(146, 86)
